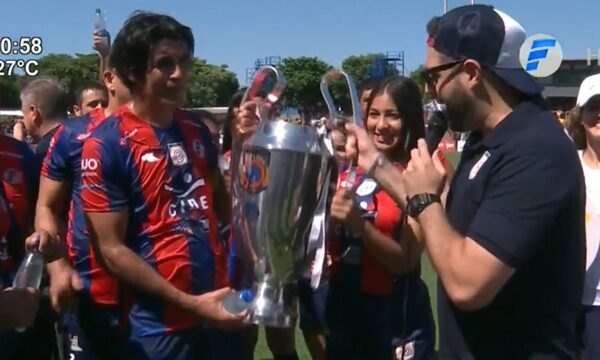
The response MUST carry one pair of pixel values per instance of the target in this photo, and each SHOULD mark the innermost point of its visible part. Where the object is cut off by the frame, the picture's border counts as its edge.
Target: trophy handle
(254, 90)
(336, 119)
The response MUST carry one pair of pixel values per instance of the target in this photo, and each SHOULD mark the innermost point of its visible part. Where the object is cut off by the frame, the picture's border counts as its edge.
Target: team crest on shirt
(366, 187)
(198, 148)
(478, 165)
(13, 176)
(255, 172)
(177, 154)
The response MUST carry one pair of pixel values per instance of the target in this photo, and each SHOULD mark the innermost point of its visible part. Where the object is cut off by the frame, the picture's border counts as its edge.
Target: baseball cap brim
(589, 88)
(520, 80)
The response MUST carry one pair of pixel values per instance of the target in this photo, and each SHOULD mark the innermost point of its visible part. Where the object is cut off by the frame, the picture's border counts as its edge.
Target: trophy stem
(275, 305)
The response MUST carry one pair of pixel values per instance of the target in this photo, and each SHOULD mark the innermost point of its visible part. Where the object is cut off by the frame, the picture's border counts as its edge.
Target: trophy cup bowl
(283, 169)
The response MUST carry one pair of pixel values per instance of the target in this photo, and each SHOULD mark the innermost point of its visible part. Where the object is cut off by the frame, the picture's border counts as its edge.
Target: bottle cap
(246, 296)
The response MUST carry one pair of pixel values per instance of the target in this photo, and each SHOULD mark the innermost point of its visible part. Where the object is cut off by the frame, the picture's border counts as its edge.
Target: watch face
(418, 203)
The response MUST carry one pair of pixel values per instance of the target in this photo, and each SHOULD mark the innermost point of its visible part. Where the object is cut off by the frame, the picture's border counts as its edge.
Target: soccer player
(152, 194)
(92, 326)
(89, 96)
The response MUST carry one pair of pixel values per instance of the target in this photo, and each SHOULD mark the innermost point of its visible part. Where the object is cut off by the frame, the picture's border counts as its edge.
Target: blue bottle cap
(246, 296)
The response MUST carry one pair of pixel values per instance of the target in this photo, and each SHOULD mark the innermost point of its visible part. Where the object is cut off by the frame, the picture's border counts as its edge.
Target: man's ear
(474, 71)
(36, 116)
(109, 78)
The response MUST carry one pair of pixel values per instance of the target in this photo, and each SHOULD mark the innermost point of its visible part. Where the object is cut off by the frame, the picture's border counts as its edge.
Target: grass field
(262, 350)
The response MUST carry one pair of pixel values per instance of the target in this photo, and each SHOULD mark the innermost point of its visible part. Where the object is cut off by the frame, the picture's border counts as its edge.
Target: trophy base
(275, 305)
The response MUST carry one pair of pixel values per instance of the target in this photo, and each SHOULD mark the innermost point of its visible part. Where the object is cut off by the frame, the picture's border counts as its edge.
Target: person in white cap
(509, 243)
(584, 127)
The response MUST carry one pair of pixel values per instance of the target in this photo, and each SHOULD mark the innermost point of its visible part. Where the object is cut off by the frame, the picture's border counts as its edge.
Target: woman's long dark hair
(407, 97)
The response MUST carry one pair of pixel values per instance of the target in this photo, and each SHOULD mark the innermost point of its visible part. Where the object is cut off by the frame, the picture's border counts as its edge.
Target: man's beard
(458, 113)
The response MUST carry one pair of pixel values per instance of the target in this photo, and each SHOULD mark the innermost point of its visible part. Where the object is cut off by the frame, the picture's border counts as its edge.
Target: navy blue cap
(490, 37)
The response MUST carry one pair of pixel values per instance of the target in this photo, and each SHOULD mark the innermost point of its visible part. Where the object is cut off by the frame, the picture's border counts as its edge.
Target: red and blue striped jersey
(19, 173)
(7, 265)
(163, 176)
(20, 177)
(63, 164)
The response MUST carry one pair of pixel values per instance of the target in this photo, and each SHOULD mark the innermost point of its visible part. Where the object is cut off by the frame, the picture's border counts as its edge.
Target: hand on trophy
(245, 121)
(344, 210)
(209, 306)
(360, 147)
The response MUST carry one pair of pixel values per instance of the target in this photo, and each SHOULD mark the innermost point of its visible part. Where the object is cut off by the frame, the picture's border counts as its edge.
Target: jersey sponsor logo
(177, 154)
(150, 157)
(13, 176)
(475, 169)
(89, 164)
(182, 206)
(255, 174)
(185, 201)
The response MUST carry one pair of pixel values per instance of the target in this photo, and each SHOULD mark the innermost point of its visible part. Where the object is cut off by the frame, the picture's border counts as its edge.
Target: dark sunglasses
(430, 76)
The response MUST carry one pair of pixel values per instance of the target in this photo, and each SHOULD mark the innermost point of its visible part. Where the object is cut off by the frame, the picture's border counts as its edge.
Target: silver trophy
(337, 117)
(281, 175)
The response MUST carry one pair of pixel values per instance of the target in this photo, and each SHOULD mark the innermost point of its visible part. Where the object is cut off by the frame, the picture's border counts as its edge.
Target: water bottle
(238, 301)
(100, 25)
(29, 273)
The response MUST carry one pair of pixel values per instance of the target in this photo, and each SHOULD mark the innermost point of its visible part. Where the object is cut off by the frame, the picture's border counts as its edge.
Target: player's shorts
(91, 331)
(312, 305)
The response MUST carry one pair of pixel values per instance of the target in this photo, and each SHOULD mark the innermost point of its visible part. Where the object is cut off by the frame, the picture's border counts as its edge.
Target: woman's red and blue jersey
(164, 178)
(377, 206)
(63, 164)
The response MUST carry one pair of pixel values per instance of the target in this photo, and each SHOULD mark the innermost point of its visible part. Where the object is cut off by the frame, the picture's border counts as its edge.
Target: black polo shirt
(520, 194)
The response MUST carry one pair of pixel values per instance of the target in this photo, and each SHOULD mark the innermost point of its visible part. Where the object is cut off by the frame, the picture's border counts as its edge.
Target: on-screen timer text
(23, 46)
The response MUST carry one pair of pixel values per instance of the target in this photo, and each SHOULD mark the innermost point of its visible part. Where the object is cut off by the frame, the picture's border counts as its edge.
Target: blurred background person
(89, 96)
(584, 127)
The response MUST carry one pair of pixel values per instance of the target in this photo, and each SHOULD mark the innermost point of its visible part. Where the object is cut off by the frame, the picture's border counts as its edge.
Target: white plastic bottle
(29, 274)
(238, 301)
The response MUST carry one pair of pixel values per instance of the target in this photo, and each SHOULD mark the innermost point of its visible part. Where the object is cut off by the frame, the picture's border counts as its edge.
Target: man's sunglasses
(430, 76)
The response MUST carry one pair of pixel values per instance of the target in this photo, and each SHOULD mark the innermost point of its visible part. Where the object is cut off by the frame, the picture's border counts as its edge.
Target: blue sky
(237, 32)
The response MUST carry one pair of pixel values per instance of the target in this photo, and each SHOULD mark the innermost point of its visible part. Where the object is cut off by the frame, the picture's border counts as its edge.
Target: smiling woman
(395, 117)
(375, 249)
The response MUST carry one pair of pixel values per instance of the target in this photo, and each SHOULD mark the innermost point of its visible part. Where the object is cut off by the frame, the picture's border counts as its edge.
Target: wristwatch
(416, 204)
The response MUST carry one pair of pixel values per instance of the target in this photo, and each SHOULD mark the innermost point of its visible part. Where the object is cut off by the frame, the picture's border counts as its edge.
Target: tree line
(211, 85)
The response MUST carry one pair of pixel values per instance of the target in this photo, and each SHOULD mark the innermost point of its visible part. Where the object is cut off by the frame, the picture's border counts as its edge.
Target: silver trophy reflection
(337, 117)
(278, 181)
